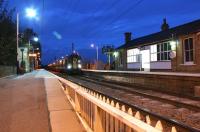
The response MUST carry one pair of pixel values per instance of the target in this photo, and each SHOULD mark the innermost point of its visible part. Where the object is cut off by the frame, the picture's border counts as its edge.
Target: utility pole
(17, 42)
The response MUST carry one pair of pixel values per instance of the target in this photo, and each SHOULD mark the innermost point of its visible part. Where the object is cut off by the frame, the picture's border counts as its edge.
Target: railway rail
(125, 92)
(147, 93)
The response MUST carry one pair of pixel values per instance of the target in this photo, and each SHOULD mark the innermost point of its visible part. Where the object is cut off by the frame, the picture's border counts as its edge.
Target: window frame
(133, 57)
(161, 52)
(188, 50)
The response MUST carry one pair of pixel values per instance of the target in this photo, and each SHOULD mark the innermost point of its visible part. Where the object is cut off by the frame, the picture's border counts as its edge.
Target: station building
(171, 49)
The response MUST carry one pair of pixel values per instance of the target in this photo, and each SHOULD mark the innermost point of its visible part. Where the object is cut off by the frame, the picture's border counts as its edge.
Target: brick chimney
(128, 36)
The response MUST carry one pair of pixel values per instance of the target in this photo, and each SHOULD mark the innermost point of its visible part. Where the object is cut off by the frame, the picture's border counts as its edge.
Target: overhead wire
(68, 15)
(76, 4)
(132, 7)
(110, 6)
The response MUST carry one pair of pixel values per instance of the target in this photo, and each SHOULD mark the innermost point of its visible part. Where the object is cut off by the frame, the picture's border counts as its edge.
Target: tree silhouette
(7, 35)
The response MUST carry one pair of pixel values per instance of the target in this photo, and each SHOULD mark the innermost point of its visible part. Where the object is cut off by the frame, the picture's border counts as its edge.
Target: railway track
(127, 95)
(146, 93)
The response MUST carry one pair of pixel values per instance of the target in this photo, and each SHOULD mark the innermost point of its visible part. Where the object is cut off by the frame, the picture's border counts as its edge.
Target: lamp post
(17, 42)
(31, 13)
(97, 53)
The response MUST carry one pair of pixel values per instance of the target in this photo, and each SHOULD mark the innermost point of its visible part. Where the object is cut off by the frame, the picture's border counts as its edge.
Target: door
(145, 60)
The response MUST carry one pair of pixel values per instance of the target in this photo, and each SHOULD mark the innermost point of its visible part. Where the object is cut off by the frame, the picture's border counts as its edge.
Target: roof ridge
(167, 34)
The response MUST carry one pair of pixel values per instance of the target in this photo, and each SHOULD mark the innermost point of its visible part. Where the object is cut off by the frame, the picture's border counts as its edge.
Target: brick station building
(171, 49)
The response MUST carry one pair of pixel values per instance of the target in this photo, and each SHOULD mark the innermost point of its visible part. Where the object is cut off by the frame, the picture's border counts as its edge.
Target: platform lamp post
(30, 13)
(97, 53)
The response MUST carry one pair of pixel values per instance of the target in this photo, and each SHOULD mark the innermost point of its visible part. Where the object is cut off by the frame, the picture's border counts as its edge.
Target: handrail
(170, 121)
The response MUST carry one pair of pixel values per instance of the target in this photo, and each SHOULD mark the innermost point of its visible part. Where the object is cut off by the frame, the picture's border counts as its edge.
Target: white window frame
(133, 55)
(155, 52)
(188, 62)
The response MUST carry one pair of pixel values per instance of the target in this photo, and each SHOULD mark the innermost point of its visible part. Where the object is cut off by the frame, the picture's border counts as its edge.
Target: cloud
(57, 35)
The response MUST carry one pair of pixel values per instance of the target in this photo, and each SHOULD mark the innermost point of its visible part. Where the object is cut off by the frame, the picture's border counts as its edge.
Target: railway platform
(35, 102)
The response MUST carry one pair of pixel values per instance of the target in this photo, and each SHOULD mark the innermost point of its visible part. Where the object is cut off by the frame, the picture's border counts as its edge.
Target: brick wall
(178, 62)
(181, 85)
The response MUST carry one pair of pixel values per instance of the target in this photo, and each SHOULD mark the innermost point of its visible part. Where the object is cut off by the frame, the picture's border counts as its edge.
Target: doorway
(145, 60)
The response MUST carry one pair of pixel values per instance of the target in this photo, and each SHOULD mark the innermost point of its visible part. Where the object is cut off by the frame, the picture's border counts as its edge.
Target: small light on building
(173, 45)
(116, 54)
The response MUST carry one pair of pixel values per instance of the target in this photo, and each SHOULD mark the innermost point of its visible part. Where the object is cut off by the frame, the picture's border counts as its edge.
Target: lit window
(153, 52)
(133, 55)
(188, 50)
(160, 52)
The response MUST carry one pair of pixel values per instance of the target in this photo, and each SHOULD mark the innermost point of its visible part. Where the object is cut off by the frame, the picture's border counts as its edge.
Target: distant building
(94, 65)
(171, 49)
(38, 53)
(29, 56)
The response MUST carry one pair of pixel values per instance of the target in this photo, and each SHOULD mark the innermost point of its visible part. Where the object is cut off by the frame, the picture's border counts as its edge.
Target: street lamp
(36, 39)
(31, 13)
(97, 52)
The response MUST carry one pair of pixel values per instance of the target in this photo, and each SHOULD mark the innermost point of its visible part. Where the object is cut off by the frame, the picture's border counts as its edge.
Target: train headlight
(69, 66)
(79, 66)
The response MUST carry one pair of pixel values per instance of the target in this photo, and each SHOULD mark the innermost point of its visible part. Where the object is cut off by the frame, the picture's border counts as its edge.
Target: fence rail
(102, 113)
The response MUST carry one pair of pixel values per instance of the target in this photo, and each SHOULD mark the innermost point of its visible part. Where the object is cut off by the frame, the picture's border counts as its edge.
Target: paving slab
(34, 102)
(65, 121)
(23, 106)
(62, 116)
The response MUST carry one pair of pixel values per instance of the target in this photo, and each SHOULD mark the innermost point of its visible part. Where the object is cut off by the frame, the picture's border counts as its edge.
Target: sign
(172, 54)
(32, 55)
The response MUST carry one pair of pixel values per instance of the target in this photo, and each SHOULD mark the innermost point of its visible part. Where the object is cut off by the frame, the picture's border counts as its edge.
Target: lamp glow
(79, 66)
(36, 39)
(31, 13)
(69, 66)
(173, 45)
(116, 54)
(92, 45)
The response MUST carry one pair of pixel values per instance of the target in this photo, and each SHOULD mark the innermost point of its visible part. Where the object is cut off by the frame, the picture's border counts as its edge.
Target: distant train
(70, 64)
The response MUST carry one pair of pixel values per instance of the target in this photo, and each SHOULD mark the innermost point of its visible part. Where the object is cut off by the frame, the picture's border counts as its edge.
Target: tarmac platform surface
(35, 102)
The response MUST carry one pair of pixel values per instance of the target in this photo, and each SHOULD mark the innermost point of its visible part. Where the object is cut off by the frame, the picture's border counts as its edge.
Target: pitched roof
(164, 35)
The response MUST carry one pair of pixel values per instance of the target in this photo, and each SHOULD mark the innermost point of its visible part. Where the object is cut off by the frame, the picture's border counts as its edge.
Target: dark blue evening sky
(61, 22)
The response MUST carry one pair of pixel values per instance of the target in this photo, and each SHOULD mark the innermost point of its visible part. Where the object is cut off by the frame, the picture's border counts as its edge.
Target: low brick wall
(7, 70)
(175, 84)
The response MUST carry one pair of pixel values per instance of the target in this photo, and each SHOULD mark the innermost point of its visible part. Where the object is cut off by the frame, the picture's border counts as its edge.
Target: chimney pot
(128, 37)
(165, 25)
